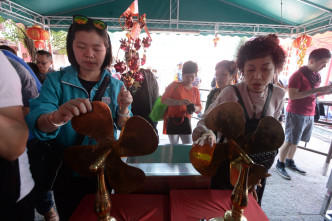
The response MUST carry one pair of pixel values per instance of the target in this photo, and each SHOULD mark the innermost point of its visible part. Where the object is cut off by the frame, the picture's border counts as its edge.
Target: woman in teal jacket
(69, 93)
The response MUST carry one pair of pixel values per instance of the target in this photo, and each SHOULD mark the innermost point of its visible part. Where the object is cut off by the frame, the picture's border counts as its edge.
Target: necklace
(256, 100)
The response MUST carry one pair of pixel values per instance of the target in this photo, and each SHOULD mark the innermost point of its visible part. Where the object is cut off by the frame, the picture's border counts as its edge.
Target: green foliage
(58, 41)
(13, 32)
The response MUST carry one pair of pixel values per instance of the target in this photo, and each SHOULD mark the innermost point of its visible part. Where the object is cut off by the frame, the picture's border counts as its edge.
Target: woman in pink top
(258, 60)
(183, 100)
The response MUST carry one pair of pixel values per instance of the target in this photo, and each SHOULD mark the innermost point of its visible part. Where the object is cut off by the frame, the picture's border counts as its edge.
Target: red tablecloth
(205, 204)
(127, 207)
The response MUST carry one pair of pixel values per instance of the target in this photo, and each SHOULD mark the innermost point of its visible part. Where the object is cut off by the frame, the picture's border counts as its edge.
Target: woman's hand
(70, 109)
(124, 98)
(207, 137)
(184, 102)
(49, 122)
(197, 109)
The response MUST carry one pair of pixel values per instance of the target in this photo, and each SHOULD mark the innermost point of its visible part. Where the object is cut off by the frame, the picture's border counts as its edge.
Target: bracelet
(49, 118)
(124, 115)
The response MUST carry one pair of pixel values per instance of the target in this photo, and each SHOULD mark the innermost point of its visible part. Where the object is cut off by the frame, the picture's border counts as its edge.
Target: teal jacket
(60, 87)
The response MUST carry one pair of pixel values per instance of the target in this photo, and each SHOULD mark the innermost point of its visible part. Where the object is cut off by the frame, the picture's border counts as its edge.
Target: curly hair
(74, 27)
(260, 47)
(229, 65)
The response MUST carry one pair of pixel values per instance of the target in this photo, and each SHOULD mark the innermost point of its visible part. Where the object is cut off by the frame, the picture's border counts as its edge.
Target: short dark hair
(88, 27)
(319, 54)
(43, 52)
(229, 65)
(6, 47)
(260, 47)
(189, 67)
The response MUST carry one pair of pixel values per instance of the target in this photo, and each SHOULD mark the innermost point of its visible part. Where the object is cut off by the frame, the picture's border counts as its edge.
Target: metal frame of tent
(320, 24)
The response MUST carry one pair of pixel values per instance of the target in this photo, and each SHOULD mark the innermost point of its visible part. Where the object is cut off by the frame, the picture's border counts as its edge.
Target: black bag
(9, 182)
(45, 160)
(178, 125)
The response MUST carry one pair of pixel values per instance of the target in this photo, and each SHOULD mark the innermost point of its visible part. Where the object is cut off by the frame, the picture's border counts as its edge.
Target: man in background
(178, 74)
(303, 90)
(44, 61)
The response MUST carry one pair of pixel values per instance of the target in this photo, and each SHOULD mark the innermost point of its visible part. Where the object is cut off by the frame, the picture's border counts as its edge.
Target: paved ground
(300, 198)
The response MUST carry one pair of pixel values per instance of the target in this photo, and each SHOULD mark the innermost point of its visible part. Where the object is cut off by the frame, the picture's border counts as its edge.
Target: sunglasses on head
(82, 20)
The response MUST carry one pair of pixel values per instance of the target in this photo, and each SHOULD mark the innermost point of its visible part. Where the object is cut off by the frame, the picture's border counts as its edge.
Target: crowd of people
(46, 111)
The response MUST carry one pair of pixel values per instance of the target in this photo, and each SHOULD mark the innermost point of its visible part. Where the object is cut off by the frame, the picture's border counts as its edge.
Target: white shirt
(10, 95)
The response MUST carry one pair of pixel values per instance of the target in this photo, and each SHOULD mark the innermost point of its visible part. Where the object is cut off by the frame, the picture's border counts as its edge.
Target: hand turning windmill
(137, 138)
(228, 118)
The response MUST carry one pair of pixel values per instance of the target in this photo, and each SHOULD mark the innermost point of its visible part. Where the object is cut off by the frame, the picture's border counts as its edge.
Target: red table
(180, 205)
(127, 207)
(205, 204)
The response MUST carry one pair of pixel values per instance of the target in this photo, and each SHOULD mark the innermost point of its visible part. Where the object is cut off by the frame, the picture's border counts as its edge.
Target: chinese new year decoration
(131, 44)
(216, 39)
(302, 43)
(39, 35)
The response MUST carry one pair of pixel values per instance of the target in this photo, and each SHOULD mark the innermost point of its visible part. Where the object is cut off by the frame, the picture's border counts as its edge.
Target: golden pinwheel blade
(226, 118)
(256, 172)
(79, 158)
(97, 124)
(137, 138)
(122, 177)
(269, 136)
(206, 159)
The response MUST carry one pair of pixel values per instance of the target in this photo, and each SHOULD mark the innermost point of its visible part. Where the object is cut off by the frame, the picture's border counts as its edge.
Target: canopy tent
(232, 17)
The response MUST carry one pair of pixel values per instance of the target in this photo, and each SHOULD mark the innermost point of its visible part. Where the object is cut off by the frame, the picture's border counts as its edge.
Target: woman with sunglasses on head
(258, 60)
(68, 93)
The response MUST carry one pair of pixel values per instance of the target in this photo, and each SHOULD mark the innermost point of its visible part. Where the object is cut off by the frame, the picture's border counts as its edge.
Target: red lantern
(297, 42)
(38, 34)
(39, 44)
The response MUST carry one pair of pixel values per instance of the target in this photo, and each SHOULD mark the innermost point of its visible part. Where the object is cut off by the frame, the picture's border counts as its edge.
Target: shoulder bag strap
(246, 115)
(268, 99)
(101, 90)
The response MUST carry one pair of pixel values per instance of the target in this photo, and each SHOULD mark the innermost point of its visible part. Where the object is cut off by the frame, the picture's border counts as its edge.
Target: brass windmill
(228, 118)
(137, 138)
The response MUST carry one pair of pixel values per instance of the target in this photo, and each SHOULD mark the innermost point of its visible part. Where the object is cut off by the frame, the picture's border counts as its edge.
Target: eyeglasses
(82, 20)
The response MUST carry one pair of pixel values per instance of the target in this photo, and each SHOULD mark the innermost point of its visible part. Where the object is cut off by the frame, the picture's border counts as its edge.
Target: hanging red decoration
(120, 66)
(302, 43)
(297, 42)
(38, 34)
(146, 42)
(215, 40)
(137, 44)
(133, 24)
(39, 44)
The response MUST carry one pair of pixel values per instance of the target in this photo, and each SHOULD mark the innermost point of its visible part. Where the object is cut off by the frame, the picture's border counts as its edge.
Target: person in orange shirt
(183, 100)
